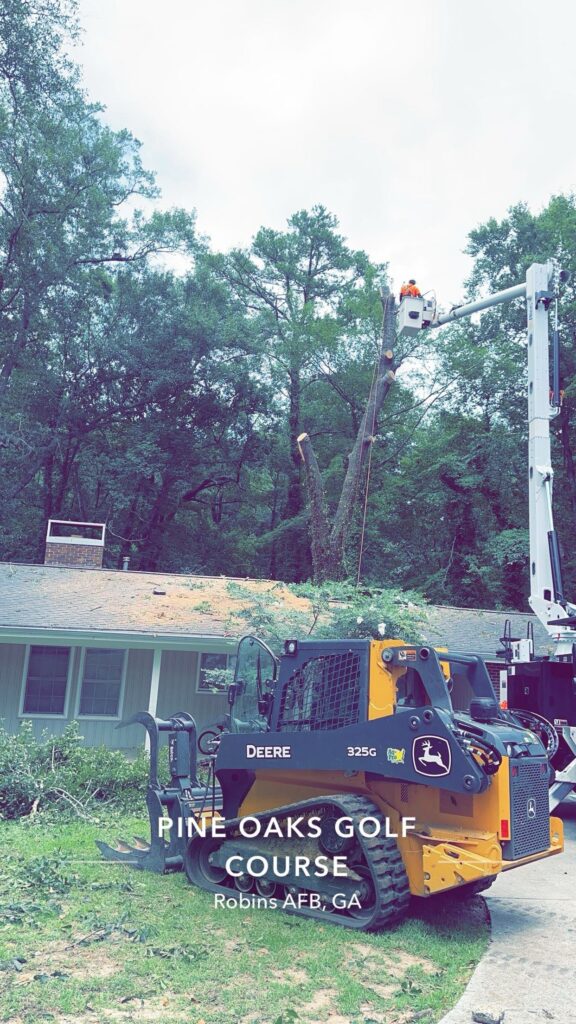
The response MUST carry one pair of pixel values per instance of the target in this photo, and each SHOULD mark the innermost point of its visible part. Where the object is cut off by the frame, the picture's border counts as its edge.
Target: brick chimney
(79, 544)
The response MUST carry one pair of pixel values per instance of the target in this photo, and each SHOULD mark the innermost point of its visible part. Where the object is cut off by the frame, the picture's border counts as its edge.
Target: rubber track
(381, 854)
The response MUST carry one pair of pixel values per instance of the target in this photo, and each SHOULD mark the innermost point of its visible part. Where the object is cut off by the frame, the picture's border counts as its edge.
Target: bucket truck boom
(545, 686)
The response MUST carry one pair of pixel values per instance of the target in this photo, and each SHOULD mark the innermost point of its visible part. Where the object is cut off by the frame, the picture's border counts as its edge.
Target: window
(102, 677)
(46, 681)
(215, 673)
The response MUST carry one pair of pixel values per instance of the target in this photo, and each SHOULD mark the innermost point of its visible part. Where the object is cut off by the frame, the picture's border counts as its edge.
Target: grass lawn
(91, 942)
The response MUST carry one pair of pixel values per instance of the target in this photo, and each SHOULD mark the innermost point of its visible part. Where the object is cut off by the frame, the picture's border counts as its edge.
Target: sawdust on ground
(187, 605)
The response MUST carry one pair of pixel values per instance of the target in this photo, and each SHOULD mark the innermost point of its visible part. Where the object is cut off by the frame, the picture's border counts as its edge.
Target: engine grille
(530, 824)
(322, 693)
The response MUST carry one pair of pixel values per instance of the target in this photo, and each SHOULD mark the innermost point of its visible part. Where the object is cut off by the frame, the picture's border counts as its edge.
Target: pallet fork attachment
(183, 797)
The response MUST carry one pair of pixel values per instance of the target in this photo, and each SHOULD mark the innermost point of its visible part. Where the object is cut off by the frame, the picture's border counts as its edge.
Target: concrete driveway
(529, 970)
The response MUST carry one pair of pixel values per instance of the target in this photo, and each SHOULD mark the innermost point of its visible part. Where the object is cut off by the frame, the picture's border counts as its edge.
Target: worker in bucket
(411, 289)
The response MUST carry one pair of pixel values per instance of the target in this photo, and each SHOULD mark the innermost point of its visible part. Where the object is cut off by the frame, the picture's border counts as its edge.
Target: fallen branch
(34, 809)
(74, 803)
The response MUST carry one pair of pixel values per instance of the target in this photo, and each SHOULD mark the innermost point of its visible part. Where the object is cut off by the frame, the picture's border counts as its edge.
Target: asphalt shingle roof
(61, 597)
(52, 597)
(478, 630)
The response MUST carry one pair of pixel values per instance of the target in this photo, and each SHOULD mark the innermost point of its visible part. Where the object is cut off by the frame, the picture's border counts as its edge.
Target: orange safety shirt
(410, 289)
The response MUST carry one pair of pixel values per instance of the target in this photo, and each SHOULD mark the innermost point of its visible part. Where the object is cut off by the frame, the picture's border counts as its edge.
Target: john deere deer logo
(431, 755)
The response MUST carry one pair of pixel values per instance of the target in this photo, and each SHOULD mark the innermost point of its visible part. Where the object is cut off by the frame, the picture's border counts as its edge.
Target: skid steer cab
(345, 782)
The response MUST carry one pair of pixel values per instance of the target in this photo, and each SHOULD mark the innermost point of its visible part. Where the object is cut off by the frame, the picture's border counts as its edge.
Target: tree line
(251, 414)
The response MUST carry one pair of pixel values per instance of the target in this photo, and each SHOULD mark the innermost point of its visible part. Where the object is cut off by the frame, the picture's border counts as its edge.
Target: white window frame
(45, 714)
(212, 693)
(100, 718)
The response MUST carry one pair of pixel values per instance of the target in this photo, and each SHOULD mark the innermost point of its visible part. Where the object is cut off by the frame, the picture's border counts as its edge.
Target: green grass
(97, 942)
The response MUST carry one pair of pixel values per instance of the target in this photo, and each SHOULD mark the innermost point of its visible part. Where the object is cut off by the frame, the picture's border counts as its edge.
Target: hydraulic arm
(546, 686)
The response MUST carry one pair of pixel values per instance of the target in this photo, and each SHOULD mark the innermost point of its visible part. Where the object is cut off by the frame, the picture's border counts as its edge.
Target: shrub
(58, 771)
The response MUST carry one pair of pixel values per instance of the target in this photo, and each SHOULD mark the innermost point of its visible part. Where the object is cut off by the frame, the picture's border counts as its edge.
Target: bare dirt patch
(384, 991)
(153, 1010)
(323, 999)
(79, 963)
(159, 1009)
(232, 945)
(295, 975)
(240, 981)
(363, 949)
(400, 962)
(386, 1016)
(395, 964)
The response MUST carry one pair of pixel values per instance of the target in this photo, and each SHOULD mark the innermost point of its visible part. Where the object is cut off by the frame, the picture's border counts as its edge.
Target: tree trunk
(47, 502)
(319, 527)
(294, 497)
(128, 527)
(272, 526)
(68, 463)
(11, 360)
(151, 544)
(329, 544)
(291, 554)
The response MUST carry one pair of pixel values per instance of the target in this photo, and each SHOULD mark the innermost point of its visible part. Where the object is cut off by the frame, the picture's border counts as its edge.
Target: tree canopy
(172, 404)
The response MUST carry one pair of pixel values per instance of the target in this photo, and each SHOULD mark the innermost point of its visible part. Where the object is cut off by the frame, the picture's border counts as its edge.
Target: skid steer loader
(347, 783)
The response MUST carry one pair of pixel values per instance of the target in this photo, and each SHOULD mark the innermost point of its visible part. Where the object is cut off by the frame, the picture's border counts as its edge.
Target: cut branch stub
(301, 437)
(319, 528)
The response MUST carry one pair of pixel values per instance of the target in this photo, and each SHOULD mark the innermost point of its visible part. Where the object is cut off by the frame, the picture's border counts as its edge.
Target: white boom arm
(546, 592)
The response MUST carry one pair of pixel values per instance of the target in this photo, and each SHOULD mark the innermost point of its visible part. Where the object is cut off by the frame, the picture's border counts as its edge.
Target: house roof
(478, 630)
(59, 602)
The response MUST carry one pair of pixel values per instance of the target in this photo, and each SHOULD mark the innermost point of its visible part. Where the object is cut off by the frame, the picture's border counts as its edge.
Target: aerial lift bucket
(184, 797)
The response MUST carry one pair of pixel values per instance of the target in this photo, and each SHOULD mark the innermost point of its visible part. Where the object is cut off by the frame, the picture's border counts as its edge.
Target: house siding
(11, 668)
(13, 657)
(177, 692)
(136, 691)
(178, 675)
(94, 731)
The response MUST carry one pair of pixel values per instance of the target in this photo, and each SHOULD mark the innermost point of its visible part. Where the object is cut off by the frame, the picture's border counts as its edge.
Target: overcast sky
(412, 123)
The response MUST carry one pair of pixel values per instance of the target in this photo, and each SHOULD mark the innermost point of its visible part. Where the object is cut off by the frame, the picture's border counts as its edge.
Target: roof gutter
(116, 638)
